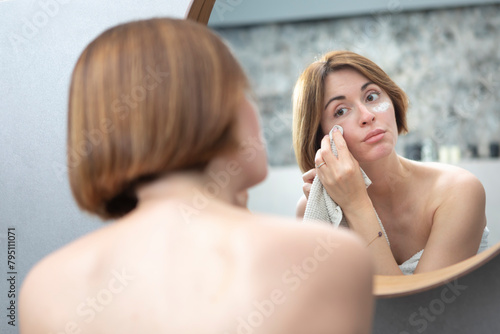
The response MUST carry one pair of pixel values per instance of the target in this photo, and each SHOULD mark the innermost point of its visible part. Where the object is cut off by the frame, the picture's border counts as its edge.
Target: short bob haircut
(308, 97)
(147, 98)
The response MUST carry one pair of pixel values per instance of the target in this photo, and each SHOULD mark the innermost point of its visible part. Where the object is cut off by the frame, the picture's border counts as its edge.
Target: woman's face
(364, 110)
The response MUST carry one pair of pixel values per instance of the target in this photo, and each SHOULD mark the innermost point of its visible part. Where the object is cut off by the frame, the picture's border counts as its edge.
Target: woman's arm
(301, 207)
(458, 222)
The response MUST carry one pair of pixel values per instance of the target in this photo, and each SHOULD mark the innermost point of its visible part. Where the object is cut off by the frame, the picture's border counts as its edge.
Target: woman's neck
(389, 176)
(198, 188)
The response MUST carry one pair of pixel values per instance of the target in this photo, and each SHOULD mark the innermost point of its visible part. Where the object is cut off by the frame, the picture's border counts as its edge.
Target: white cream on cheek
(381, 107)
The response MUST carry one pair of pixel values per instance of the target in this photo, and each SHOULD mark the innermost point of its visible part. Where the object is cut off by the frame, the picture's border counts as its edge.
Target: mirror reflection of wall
(446, 59)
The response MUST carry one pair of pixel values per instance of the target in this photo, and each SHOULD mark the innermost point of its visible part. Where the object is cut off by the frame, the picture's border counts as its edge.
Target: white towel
(409, 266)
(320, 206)
(484, 240)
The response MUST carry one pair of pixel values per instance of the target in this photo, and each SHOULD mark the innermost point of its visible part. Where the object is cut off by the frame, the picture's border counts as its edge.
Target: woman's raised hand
(341, 176)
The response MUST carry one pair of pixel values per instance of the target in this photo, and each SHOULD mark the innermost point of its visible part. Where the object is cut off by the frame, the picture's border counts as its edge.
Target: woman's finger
(306, 188)
(340, 144)
(318, 159)
(308, 177)
(326, 152)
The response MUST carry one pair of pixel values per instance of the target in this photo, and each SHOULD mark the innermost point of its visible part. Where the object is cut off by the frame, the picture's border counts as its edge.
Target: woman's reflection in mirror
(433, 214)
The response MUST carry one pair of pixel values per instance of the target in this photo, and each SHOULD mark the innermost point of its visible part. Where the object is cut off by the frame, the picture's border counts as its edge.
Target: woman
(171, 108)
(428, 206)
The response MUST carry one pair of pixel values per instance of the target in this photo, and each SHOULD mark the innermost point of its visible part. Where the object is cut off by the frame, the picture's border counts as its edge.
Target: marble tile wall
(447, 61)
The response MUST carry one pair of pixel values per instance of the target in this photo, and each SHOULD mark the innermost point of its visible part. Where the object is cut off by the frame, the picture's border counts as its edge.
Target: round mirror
(446, 60)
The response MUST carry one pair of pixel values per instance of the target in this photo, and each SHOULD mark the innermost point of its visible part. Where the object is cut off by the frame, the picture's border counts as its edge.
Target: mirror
(445, 59)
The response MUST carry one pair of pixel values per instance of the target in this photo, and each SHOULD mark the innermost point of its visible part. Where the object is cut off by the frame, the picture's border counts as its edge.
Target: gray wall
(39, 44)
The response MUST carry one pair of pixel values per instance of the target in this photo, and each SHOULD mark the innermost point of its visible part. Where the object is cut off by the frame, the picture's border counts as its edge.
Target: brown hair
(308, 98)
(147, 98)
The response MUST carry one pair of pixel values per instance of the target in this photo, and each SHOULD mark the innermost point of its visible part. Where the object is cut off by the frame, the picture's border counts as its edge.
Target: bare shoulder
(324, 273)
(49, 281)
(457, 196)
(42, 283)
(453, 196)
(447, 181)
(458, 203)
(460, 182)
(31, 317)
(314, 242)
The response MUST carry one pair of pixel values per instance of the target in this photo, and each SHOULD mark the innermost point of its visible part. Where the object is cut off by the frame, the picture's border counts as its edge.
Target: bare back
(221, 270)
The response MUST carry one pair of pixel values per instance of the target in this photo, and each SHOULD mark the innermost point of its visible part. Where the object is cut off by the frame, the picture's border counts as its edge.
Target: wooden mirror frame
(200, 10)
(399, 286)
(386, 286)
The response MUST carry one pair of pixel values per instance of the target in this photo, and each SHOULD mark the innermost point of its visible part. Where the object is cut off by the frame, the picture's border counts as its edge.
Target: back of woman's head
(308, 100)
(148, 98)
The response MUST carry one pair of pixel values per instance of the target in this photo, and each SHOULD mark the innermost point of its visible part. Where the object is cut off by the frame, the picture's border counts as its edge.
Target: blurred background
(444, 54)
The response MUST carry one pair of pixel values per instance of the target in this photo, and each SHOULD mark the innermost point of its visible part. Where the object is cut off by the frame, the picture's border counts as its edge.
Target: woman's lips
(374, 136)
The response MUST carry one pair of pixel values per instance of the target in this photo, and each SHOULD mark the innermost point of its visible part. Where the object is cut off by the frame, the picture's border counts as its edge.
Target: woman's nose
(366, 116)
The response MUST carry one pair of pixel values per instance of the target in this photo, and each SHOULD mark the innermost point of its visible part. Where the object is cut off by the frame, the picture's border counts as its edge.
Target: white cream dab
(382, 107)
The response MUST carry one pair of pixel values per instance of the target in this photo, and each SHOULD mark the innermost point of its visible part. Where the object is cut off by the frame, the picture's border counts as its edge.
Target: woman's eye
(340, 112)
(372, 97)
